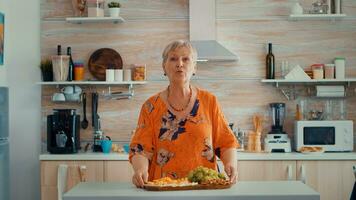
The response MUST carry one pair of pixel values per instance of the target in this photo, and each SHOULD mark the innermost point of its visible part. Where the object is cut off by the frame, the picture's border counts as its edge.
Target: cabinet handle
(303, 174)
(83, 173)
(290, 171)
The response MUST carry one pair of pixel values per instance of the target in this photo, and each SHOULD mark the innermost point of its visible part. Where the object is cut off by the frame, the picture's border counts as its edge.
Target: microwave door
(319, 136)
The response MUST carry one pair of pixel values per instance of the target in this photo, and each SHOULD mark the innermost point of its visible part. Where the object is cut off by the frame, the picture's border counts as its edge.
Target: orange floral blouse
(173, 146)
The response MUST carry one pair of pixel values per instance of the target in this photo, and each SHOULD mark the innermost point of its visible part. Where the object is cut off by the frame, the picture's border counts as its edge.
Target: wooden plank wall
(244, 26)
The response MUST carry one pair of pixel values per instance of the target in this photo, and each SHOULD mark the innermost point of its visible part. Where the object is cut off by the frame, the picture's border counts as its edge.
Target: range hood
(202, 32)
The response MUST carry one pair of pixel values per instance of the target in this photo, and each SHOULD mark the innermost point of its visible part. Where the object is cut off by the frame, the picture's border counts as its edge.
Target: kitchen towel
(61, 180)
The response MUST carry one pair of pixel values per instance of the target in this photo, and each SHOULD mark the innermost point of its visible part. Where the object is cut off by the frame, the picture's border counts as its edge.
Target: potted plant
(47, 70)
(114, 8)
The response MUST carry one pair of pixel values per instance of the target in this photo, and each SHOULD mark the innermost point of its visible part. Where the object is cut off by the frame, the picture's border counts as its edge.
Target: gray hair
(177, 44)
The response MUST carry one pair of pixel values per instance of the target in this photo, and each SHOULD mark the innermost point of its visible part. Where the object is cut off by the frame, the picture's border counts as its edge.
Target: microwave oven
(331, 135)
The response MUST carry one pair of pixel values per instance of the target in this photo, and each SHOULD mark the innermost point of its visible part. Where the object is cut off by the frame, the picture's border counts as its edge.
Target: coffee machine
(277, 140)
(63, 136)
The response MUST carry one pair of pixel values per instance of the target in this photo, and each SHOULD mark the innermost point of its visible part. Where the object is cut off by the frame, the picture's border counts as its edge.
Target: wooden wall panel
(242, 26)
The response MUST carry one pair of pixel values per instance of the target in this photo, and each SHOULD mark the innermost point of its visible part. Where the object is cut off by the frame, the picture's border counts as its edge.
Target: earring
(193, 74)
(165, 74)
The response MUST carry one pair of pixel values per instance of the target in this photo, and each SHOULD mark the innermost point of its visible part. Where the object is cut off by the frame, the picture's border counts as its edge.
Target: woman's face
(179, 65)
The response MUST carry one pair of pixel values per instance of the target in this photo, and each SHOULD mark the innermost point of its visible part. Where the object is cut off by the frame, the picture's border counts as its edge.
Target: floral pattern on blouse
(163, 157)
(171, 126)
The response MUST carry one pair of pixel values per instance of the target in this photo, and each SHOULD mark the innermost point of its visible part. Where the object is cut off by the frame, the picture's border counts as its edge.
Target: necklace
(186, 106)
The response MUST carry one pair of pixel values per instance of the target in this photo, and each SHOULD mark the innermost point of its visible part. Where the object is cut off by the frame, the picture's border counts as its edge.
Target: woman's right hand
(139, 178)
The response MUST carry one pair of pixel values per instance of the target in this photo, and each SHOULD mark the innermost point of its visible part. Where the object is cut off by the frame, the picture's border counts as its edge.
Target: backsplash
(244, 27)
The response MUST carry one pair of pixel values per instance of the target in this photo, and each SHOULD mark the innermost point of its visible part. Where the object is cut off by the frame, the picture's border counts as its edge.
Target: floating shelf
(109, 94)
(317, 17)
(311, 81)
(92, 83)
(80, 20)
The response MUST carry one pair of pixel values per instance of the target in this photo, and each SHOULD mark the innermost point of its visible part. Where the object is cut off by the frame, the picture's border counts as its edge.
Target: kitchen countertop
(243, 190)
(240, 155)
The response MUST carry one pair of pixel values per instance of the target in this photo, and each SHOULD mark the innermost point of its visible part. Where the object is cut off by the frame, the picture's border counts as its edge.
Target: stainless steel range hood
(202, 32)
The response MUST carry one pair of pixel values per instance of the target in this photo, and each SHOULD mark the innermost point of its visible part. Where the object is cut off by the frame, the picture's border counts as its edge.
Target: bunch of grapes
(203, 174)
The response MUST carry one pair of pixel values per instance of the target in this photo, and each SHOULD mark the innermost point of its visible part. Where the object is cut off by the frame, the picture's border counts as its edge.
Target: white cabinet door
(266, 170)
(332, 179)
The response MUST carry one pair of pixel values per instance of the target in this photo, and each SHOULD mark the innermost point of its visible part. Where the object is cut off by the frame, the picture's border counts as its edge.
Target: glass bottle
(71, 65)
(270, 68)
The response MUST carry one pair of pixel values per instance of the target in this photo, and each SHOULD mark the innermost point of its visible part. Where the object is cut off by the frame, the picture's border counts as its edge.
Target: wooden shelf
(316, 17)
(80, 20)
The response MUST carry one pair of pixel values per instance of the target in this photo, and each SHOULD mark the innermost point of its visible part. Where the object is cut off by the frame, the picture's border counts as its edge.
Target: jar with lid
(318, 71)
(339, 67)
(329, 71)
(78, 71)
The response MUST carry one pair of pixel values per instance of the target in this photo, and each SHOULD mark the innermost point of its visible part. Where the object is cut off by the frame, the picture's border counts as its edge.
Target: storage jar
(339, 67)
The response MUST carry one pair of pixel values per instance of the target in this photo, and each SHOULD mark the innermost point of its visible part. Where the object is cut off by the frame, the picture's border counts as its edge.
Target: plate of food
(201, 178)
(311, 150)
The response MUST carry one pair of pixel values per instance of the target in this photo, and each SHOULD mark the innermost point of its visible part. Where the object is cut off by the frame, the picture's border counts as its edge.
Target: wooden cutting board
(191, 187)
(102, 59)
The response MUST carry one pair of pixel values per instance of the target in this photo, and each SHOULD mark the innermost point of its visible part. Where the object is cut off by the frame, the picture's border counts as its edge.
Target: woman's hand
(140, 167)
(139, 178)
(229, 159)
(231, 171)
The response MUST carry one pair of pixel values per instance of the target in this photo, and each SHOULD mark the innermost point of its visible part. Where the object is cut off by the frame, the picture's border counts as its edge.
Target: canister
(318, 71)
(339, 67)
(329, 71)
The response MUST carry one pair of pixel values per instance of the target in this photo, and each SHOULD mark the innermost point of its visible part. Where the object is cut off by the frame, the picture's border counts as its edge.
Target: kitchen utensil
(102, 59)
(94, 109)
(84, 123)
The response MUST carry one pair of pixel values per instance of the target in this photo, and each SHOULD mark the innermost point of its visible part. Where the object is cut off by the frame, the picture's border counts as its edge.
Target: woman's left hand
(231, 171)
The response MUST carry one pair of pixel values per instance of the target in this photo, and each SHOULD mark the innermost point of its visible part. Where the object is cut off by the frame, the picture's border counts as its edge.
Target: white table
(244, 190)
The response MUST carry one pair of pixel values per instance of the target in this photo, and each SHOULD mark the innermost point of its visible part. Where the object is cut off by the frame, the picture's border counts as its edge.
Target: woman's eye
(172, 58)
(186, 59)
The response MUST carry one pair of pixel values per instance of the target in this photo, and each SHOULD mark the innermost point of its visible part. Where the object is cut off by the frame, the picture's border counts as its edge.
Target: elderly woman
(181, 127)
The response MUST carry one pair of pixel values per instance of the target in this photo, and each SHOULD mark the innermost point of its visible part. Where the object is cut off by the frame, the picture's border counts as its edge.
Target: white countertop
(240, 156)
(243, 190)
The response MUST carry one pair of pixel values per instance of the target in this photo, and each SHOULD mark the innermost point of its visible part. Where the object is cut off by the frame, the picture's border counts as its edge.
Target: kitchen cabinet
(332, 179)
(266, 170)
(118, 171)
(49, 169)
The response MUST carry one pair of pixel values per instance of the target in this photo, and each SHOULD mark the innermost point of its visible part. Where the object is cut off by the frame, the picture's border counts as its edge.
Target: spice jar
(78, 71)
(318, 71)
(139, 73)
(329, 71)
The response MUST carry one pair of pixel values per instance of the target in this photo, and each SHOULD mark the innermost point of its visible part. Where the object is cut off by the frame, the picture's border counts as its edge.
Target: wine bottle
(71, 65)
(59, 50)
(270, 68)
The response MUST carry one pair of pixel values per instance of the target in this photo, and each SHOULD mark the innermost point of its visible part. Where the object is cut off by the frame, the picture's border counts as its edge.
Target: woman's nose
(180, 63)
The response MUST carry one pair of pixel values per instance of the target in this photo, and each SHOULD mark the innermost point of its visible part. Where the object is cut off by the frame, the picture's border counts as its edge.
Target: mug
(106, 146)
(58, 97)
(127, 148)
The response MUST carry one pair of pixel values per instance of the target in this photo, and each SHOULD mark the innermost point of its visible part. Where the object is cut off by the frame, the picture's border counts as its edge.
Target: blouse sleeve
(142, 140)
(223, 137)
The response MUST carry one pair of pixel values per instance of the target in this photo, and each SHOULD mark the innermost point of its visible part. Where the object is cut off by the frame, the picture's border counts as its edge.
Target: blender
(277, 140)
